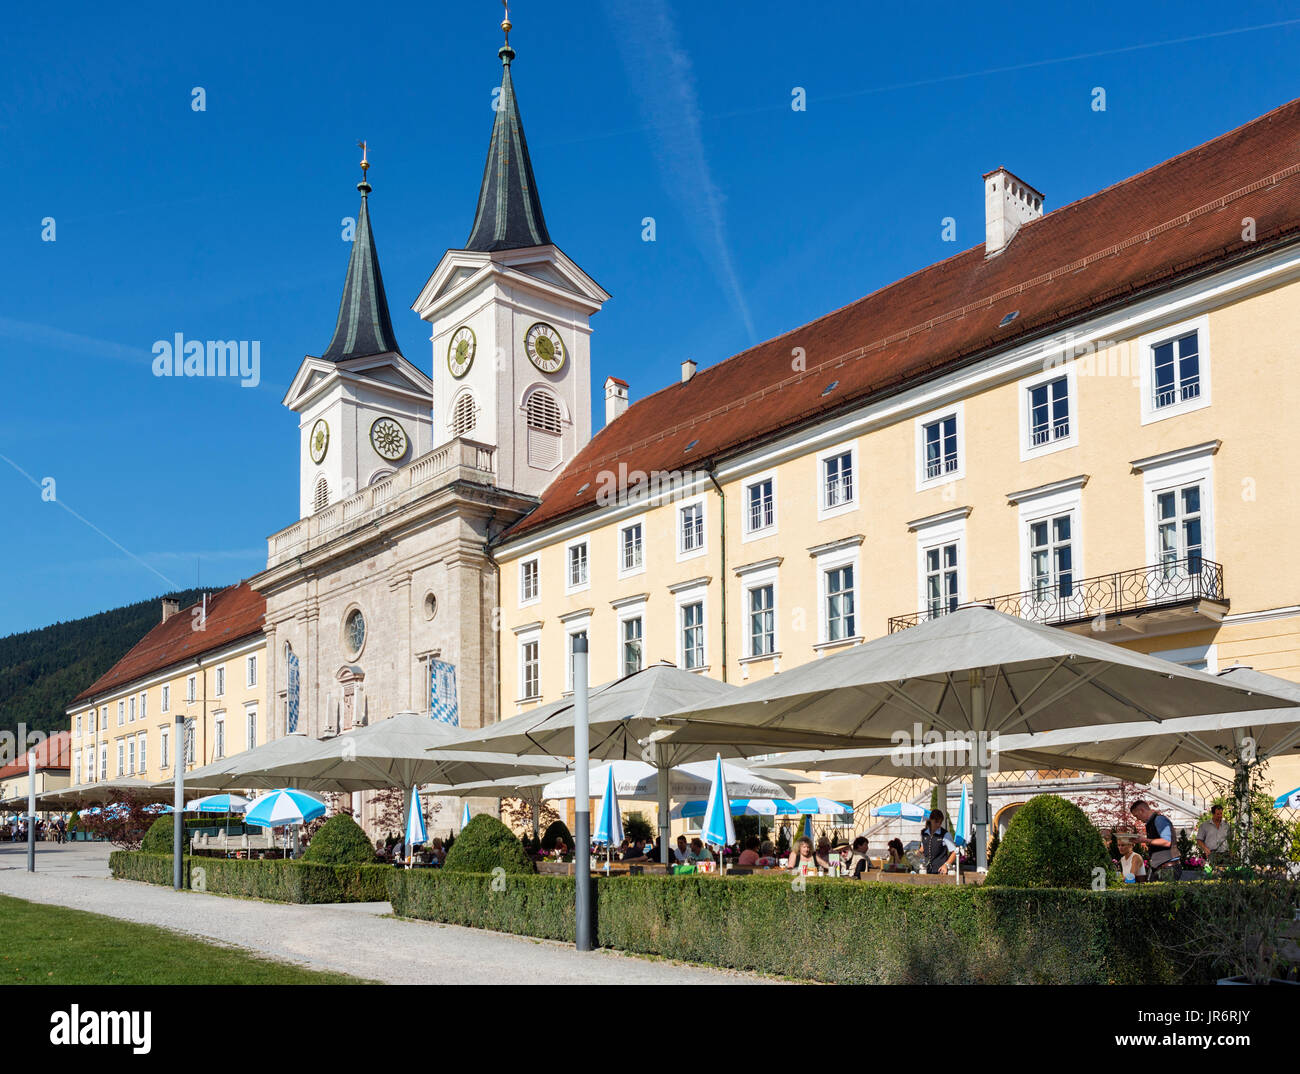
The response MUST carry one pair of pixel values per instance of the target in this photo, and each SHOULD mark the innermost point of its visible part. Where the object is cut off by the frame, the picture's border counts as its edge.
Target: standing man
(1165, 860)
(1212, 835)
(938, 851)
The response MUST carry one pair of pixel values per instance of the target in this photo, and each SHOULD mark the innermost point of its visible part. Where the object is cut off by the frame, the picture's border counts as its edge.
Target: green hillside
(41, 671)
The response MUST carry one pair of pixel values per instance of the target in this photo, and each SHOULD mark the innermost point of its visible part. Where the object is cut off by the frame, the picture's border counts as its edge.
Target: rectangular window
(189, 741)
(692, 527)
(162, 748)
(103, 762)
(121, 757)
(1049, 412)
(251, 669)
(762, 620)
(761, 505)
(837, 480)
(528, 580)
(78, 731)
(1051, 557)
(76, 765)
(144, 706)
(221, 681)
(191, 685)
(121, 713)
(142, 745)
(166, 698)
(940, 439)
(631, 644)
(840, 617)
(693, 635)
(130, 710)
(1178, 530)
(532, 671)
(219, 737)
(1176, 370)
(250, 728)
(130, 757)
(941, 579)
(577, 565)
(632, 548)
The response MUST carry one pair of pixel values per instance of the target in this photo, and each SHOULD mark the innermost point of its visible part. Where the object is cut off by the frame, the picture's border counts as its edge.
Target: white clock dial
(545, 348)
(460, 351)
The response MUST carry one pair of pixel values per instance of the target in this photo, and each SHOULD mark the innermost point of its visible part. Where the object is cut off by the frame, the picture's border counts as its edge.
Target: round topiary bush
(556, 830)
(158, 839)
(485, 844)
(1050, 843)
(340, 841)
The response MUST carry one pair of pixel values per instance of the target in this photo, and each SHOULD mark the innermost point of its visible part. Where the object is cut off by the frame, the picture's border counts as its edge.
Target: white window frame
(1045, 503)
(628, 609)
(625, 571)
(574, 624)
(748, 532)
(1146, 345)
(832, 558)
(130, 709)
(696, 593)
(1176, 470)
(757, 578)
(523, 640)
(77, 734)
(250, 670)
(191, 689)
(141, 750)
(1197, 657)
(121, 757)
(955, 410)
(121, 713)
(166, 697)
(219, 681)
(585, 584)
(824, 510)
(943, 529)
(535, 563)
(250, 726)
(144, 705)
(679, 531)
(164, 756)
(1030, 450)
(218, 735)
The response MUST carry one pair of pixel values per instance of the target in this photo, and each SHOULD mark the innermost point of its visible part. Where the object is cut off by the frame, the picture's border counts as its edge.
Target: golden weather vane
(505, 23)
(365, 164)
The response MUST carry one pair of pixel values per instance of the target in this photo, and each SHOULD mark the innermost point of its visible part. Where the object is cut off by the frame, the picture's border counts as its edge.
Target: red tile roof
(1147, 231)
(233, 613)
(54, 752)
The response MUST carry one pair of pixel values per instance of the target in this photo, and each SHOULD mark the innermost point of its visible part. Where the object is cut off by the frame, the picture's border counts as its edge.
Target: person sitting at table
(859, 859)
(749, 856)
(633, 850)
(699, 852)
(767, 849)
(802, 858)
(561, 848)
(1130, 861)
(681, 852)
(897, 862)
(824, 853)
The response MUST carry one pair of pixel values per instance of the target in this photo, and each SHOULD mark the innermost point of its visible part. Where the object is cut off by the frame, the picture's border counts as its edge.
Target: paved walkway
(350, 938)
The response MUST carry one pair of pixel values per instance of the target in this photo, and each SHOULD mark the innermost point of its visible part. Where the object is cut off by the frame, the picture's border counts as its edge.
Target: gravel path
(350, 938)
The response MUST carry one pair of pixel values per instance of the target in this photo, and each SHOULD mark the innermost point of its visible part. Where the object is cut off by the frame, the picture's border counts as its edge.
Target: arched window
(464, 415)
(545, 423)
(321, 499)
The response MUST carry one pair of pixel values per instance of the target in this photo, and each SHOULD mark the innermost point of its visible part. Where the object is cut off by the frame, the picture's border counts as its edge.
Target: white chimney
(615, 398)
(1008, 202)
(688, 369)
(170, 606)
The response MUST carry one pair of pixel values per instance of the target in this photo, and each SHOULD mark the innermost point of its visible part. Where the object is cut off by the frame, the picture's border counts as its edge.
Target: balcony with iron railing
(458, 459)
(1174, 594)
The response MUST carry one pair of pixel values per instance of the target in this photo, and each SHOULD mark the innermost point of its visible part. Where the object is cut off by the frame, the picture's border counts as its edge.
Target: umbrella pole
(582, 798)
(178, 826)
(980, 779)
(665, 824)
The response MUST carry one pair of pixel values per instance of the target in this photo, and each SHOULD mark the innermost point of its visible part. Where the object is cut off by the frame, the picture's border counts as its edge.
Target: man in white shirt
(1212, 835)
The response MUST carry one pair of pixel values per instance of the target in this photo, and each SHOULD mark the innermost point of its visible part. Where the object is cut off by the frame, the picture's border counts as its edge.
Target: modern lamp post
(582, 797)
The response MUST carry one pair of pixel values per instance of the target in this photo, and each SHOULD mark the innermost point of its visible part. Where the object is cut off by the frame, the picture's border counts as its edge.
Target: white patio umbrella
(969, 673)
(620, 713)
(106, 790)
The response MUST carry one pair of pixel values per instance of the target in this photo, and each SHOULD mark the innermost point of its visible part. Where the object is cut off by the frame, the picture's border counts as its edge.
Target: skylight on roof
(689, 446)
(830, 387)
(583, 489)
(1008, 318)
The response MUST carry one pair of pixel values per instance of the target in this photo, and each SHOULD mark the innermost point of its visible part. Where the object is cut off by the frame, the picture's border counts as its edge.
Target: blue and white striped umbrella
(961, 831)
(415, 830)
(821, 806)
(762, 807)
(217, 803)
(1290, 800)
(289, 806)
(902, 810)
(464, 816)
(718, 829)
(609, 820)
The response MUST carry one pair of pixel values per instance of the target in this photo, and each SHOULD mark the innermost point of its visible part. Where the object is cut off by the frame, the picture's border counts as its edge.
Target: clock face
(320, 440)
(388, 439)
(460, 351)
(545, 348)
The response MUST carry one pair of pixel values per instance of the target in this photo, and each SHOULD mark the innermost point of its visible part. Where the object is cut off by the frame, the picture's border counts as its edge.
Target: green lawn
(42, 944)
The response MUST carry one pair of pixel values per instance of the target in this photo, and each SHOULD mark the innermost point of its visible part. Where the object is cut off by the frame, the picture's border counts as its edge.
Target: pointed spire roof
(363, 327)
(509, 215)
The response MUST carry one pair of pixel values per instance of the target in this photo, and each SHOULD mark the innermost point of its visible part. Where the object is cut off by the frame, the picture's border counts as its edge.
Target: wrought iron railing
(1161, 585)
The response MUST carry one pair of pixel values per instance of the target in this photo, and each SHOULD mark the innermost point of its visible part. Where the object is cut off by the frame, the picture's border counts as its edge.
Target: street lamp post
(582, 797)
(178, 815)
(31, 811)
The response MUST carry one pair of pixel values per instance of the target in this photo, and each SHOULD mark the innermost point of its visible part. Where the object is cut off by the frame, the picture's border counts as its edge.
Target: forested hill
(42, 670)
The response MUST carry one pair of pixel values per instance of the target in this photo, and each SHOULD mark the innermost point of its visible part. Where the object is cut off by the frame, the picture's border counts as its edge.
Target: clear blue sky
(225, 224)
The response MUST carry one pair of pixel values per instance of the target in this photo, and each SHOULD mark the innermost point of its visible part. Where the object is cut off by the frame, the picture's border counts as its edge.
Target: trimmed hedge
(486, 844)
(340, 841)
(1051, 843)
(849, 933)
(275, 880)
(160, 838)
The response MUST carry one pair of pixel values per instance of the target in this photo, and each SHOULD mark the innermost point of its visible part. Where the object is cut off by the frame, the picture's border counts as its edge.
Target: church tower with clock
(509, 315)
